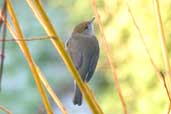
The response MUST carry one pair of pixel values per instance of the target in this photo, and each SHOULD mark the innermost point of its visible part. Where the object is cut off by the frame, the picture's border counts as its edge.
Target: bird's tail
(77, 100)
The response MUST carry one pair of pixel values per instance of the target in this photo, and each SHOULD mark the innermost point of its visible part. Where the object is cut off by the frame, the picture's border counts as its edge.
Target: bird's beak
(92, 20)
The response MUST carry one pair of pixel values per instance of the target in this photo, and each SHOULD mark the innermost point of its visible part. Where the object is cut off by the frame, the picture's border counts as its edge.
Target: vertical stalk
(4, 14)
(28, 57)
(163, 46)
(109, 58)
(163, 41)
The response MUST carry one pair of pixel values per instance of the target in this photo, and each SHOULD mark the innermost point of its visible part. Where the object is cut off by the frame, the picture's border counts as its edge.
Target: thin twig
(159, 74)
(163, 45)
(165, 85)
(21, 39)
(157, 71)
(163, 41)
(4, 14)
(5, 110)
(107, 50)
(51, 92)
(168, 112)
(28, 39)
(163, 78)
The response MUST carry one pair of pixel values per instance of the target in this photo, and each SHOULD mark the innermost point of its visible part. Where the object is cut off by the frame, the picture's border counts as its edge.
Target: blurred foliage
(141, 89)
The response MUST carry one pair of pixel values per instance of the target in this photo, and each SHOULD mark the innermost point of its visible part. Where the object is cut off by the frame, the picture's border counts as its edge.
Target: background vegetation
(141, 89)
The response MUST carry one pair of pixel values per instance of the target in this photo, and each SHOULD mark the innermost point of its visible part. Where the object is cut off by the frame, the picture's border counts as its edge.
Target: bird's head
(86, 27)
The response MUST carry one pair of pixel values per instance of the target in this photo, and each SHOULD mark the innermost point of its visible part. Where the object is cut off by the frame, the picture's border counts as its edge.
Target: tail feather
(77, 100)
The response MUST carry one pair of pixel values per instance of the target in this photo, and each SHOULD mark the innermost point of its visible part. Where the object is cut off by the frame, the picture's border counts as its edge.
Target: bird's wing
(75, 53)
(92, 65)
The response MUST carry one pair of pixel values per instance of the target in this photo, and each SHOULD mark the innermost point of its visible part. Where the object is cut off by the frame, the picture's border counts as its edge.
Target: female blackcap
(83, 49)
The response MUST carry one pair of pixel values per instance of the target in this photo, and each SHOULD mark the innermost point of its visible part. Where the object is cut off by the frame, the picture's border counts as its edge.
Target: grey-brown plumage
(83, 49)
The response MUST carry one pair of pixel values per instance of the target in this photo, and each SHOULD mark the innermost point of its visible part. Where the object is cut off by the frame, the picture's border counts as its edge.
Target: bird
(83, 48)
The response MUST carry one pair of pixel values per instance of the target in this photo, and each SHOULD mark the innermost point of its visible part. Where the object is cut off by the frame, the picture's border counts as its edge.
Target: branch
(5, 110)
(109, 58)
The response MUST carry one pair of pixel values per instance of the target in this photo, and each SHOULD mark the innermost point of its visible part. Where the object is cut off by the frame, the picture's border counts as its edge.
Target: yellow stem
(51, 92)
(163, 42)
(28, 57)
(157, 71)
(5, 110)
(163, 45)
(109, 58)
